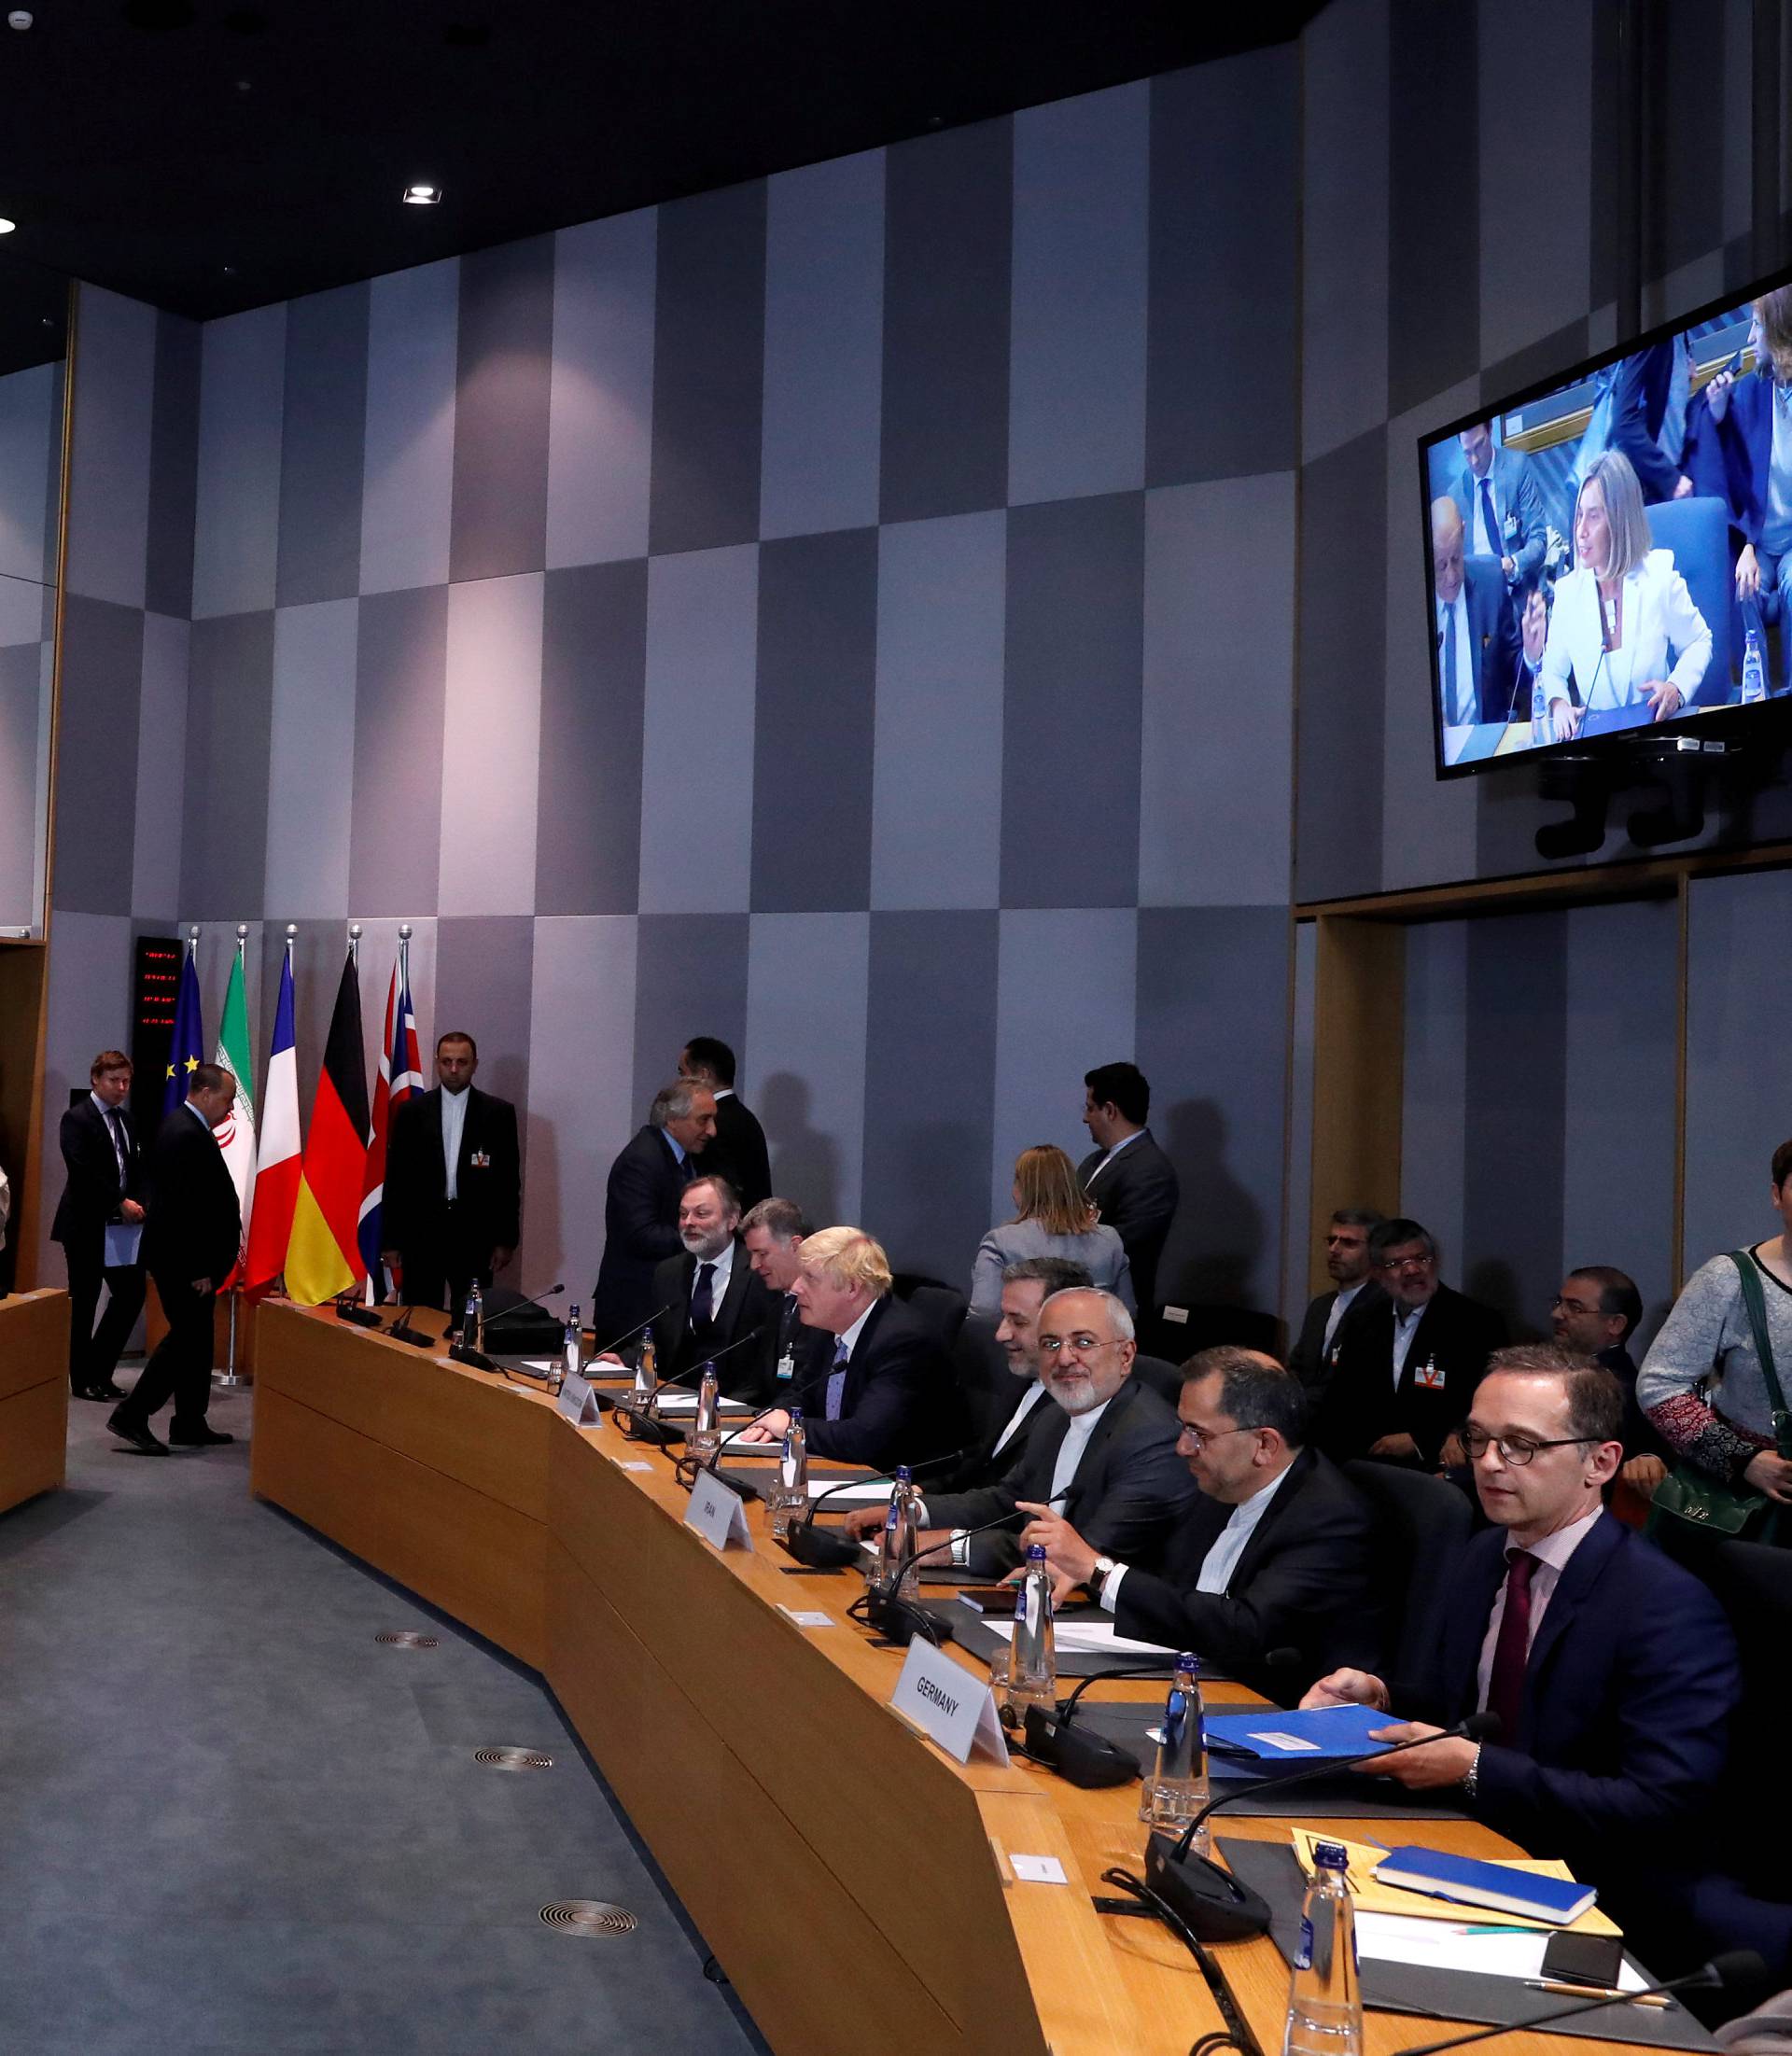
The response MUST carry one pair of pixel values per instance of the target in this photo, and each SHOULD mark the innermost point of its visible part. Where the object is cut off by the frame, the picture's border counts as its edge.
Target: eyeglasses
(1201, 1437)
(1085, 1345)
(1406, 1263)
(1573, 1305)
(1516, 1449)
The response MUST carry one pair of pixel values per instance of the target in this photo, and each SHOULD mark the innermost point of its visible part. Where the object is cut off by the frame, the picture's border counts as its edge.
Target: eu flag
(186, 1044)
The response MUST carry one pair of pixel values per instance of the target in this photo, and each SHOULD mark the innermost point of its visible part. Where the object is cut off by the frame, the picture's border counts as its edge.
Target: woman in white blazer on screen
(1623, 626)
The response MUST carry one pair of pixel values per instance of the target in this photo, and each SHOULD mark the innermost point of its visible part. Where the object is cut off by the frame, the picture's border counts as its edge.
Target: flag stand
(230, 1378)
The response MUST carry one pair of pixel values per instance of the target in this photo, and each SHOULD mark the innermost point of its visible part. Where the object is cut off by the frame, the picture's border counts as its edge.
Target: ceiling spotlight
(7, 227)
(20, 19)
(423, 194)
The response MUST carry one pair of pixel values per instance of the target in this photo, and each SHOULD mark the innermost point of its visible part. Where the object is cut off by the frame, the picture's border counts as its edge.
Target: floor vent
(589, 1917)
(513, 1759)
(406, 1638)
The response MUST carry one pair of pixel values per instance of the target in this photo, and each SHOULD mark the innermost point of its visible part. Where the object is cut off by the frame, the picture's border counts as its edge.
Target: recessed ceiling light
(7, 227)
(422, 194)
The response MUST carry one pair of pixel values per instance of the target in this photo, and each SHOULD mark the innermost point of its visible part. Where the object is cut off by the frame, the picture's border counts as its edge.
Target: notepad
(1373, 1896)
(1449, 1945)
(1468, 1882)
(1274, 1738)
(1088, 1638)
(686, 1403)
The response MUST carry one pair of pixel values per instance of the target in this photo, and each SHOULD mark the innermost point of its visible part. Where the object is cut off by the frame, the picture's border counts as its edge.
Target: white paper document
(1459, 1945)
(1088, 1638)
(686, 1403)
(874, 1492)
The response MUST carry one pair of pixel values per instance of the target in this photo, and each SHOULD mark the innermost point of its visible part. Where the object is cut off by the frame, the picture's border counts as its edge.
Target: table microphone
(900, 1621)
(1079, 1755)
(1220, 1908)
(628, 1335)
(349, 1308)
(642, 1426)
(522, 1305)
(464, 1353)
(400, 1330)
(820, 1549)
(1741, 1966)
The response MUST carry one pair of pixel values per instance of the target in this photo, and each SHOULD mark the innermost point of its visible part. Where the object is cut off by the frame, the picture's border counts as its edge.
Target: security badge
(479, 1160)
(1430, 1376)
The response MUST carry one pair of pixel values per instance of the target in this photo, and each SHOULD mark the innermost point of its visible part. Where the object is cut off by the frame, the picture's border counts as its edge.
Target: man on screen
(1480, 656)
(1501, 508)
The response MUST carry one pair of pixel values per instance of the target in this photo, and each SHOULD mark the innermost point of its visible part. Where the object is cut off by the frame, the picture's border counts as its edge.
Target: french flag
(278, 1161)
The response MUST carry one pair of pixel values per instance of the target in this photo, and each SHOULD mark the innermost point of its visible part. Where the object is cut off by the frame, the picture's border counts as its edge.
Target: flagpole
(229, 1379)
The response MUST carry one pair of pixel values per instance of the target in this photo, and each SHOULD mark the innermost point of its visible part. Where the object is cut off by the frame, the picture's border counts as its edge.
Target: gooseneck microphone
(402, 1331)
(641, 1425)
(522, 1306)
(476, 1360)
(1734, 1967)
(1220, 1908)
(820, 1549)
(628, 1335)
(900, 1621)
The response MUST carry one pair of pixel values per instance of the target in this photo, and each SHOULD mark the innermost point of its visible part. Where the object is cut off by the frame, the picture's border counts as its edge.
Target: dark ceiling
(210, 156)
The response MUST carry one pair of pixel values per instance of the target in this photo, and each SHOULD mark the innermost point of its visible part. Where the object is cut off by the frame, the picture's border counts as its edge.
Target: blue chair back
(1698, 533)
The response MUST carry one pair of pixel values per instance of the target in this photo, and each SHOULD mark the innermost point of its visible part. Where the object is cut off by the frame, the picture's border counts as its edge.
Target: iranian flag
(236, 1136)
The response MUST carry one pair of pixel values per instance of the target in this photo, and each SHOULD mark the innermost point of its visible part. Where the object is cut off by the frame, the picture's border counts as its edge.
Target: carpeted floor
(231, 1823)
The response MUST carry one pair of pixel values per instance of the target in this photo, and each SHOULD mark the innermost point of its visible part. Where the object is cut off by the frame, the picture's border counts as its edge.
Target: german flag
(323, 1257)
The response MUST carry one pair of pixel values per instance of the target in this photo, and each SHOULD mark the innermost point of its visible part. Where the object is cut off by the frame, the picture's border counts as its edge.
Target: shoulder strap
(1755, 1303)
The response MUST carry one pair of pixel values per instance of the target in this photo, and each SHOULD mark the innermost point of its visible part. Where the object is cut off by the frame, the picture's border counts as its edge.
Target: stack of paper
(1458, 1945)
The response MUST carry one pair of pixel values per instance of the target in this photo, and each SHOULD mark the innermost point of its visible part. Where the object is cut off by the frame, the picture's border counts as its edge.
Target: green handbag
(1707, 1504)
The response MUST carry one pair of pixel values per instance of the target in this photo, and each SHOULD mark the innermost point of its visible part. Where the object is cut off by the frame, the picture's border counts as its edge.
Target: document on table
(1462, 1944)
(1088, 1638)
(872, 1492)
(686, 1403)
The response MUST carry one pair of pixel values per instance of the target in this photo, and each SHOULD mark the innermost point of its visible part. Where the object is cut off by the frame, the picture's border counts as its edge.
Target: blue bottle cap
(1188, 1662)
(796, 1417)
(1331, 1856)
(1036, 1552)
(902, 1475)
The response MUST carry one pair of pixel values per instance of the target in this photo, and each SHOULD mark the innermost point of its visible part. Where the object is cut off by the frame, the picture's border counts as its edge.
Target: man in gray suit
(1501, 506)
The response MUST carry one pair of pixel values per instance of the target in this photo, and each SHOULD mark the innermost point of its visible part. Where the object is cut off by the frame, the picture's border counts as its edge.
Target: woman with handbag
(1712, 1387)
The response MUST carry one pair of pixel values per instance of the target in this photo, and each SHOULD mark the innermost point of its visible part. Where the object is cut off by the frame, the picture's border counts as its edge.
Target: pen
(1586, 1992)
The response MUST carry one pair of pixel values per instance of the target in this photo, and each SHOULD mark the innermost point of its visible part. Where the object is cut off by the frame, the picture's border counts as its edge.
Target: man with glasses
(1611, 1669)
(1596, 1313)
(1106, 1451)
(1278, 1550)
(1355, 1290)
(1406, 1371)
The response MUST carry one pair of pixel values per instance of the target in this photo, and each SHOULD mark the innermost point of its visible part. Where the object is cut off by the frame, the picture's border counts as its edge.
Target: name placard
(947, 1703)
(717, 1513)
(579, 1402)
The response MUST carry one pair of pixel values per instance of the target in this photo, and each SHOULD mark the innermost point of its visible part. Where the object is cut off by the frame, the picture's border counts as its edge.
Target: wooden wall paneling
(1358, 1046)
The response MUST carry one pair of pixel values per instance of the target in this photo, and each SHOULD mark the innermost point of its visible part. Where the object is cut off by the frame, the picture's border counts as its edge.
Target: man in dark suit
(105, 1188)
(882, 1394)
(1128, 1176)
(1596, 1313)
(712, 1297)
(641, 1203)
(1611, 1669)
(1501, 506)
(1480, 648)
(1278, 1550)
(772, 1235)
(1355, 1290)
(738, 1151)
(453, 1190)
(192, 1233)
(1105, 1452)
(1408, 1370)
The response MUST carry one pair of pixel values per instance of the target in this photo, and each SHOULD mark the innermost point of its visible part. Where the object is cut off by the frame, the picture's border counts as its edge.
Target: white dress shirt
(1340, 1307)
(108, 1113)
(1069, 1452)
(1405, 1325)
(724, 1265)
(1112, 1155)
(1452, 626)
(1028, 1399)
(1227, 1546)
(454, 1122)
(1552, 1553)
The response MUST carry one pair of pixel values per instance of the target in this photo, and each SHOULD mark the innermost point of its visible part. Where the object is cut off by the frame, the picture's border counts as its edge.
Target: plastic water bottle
(705, 1438)
(572, 1350)
(791, 1494)
(646, 1381)
(1176, 1789)
(1753, 671)
(1032, 1664)
(472, 1321)
(1541, 725)
(1325, 2007)
(897, 1570)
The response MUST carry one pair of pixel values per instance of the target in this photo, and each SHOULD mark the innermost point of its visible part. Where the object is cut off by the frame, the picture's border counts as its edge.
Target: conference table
(33, 1393)
(856, 1885)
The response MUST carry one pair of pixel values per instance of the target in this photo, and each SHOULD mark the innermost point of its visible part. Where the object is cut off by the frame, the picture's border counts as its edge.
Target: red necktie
(1512, 1650)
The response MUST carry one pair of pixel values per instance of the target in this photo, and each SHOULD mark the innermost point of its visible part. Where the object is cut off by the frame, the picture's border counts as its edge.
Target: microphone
(464, 1353)
(349, 1308)
(644, 1426)
(1089, 1761)
(820, 1549)
(522, 1305)
(402, 1332)
(900, 1621)
(687, 1461)
(628, 1335)
(1734, 1967)
(1218, 1907)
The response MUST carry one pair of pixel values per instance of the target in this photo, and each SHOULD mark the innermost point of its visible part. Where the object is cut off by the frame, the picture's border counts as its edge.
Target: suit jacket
(1129, 1490)
(740, 1152)
(488, 1193)
(95, 1192)
(192, 1227)
(1623, 1726)
(1502, 684)
(1518, 510)
(1137, 1194)
(1642, 386)
(1310, 1360)
(640, 1229)
(898, 1404)
(745, 1306)
(1361, 1405)
(990, 1394)
(1306, 1579)
(1664, 632)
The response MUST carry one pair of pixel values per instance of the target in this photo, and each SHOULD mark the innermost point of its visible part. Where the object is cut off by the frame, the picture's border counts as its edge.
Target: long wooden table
(854, 1882)
(33, 1394)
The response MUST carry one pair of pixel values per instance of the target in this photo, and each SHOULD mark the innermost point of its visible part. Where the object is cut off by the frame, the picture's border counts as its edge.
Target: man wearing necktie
(1481, 652)
(1501, 510)
(1612, 1669)
(641, 1202)
(99, 1223)
(710, 1298)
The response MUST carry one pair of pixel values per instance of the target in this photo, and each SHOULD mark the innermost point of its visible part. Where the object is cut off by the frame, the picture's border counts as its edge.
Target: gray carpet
(230, 1822)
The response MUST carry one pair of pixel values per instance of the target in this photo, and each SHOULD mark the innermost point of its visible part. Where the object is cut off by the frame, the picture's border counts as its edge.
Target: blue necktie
(1487, 516)
(837, 1378)
(1451, 712)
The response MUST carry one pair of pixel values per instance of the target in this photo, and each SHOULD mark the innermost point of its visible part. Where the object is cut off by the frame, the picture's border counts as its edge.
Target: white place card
(947, 1703)
(579, 1402)
(1037, 1869)
(717, 1513)
(807, 1617)
(634, 1466)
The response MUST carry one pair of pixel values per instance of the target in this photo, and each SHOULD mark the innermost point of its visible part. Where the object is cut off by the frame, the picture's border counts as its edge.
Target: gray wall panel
(111, 457)
(1297, 1248)
(237, 503)
(689, 979)
(600, 411)
(812, 723)
(709, 370)
(407, 487)
(1432, 1160)
(1215, 793)
(230, 703)
(312, 732)
(593, 684)
(491, 745)
(174, 468)
(161, 760)
(1074, 683)
(89, 1010)
(948, 224)
(930, 1087)
(322, 452)
(96, 811)
(401, 658)
(824, 339)
(1076, 417)
(1433, 279)
(21, 690)
(1225, 215)
(936, 814)
(1212, 1038)
(485, 985)
(31, 475)
(500, 507)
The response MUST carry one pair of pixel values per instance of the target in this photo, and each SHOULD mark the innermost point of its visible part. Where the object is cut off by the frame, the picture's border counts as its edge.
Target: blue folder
(1322, 1732)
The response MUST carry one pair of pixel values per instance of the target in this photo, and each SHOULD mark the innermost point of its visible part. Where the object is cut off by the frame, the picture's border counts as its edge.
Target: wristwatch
(1472, 1775)
(1104, 1567)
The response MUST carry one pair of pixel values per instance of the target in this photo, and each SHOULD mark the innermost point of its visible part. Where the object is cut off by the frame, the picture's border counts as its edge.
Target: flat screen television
(1611, 550)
